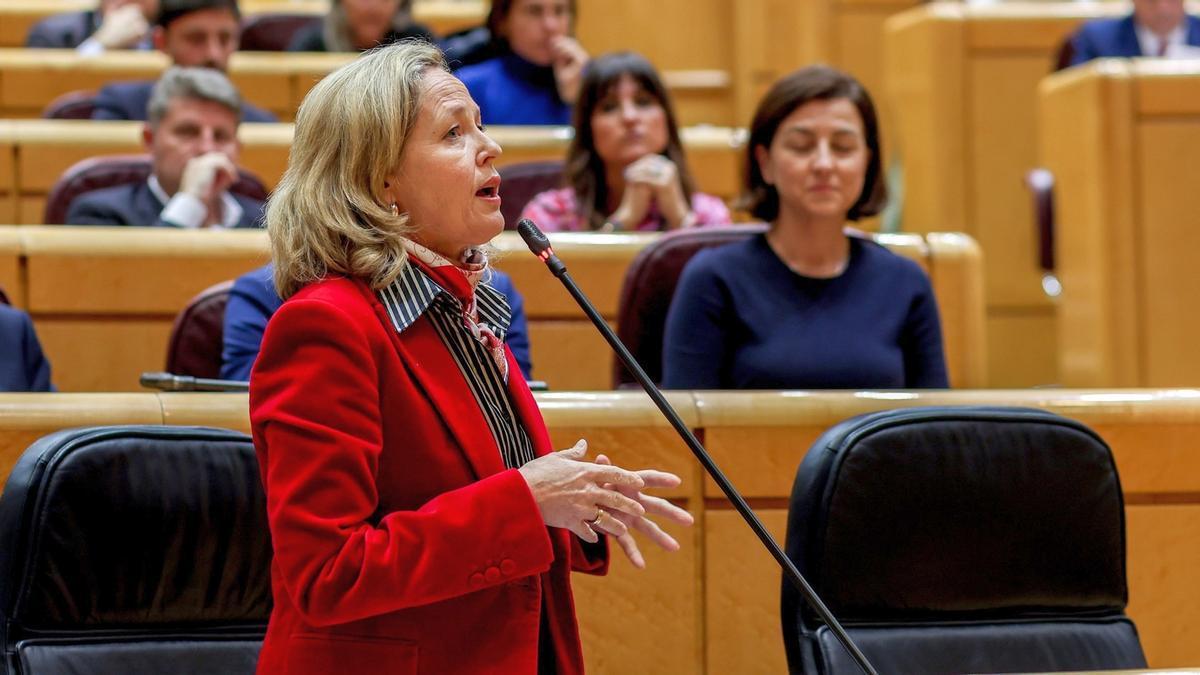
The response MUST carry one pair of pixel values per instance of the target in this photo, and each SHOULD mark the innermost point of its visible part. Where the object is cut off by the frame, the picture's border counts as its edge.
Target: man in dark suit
(23, 366)
(194, 33)
(114, 24)
(1156, 28)
(192, 138)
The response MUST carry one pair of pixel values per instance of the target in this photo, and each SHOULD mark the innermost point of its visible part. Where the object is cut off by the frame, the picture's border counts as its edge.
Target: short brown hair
(814, 83)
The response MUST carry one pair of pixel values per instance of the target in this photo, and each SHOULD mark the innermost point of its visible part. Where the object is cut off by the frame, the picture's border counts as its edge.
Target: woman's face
(817, 160)
(369, 20)
(532, 26)
(446, 181)
(628, 123)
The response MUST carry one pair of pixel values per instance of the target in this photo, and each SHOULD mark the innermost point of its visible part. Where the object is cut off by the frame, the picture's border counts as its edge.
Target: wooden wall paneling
(956, 271)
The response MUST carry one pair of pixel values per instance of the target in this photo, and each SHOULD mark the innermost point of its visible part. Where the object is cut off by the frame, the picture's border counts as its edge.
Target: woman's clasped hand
(599, 498)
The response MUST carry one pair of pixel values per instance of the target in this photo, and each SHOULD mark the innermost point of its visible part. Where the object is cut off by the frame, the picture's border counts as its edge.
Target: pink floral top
(557, 211)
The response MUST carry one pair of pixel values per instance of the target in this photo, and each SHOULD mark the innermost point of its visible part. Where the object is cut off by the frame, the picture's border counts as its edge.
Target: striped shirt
(413, 294)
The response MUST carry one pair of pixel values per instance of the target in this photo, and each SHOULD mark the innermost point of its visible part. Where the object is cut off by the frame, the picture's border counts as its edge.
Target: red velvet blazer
(402, 544)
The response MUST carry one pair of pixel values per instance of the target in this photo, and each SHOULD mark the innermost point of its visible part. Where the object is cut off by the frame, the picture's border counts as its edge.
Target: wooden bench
(961, 86)
(37, 152)
(276, 81)
(714, 606)
(1122, 138)
(103, 299)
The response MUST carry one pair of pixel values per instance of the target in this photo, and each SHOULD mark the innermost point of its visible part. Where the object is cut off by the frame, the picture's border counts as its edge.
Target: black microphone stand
(540, 246)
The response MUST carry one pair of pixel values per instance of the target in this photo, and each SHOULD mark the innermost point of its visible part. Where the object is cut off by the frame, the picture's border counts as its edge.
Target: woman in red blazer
(421, 522)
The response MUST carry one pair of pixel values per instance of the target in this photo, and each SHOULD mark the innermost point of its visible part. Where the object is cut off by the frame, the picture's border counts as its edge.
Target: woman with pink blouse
(625, 169)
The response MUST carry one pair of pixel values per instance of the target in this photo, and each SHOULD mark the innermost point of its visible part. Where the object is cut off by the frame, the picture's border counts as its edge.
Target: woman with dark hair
(359, 25)
(625, 168)
(807, 305)
(534, 79)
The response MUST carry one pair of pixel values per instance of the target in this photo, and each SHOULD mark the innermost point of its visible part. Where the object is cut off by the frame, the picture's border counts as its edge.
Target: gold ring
(600, 513)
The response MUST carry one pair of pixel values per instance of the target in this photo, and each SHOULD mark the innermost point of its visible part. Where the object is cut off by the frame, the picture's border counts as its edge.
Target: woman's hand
(656, 506)
(569, 60)
(661, 177)
(568, 490)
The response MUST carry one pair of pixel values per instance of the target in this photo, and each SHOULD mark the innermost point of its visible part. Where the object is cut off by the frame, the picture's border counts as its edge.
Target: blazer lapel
(1128, 44)
(439, 377)
(1193, 34)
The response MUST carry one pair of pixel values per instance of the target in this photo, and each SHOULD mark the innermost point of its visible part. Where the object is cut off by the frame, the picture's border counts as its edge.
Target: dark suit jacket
(135, 205)
(253, 300)
(128, 100)
(23, 366)
(392, 514)
(62, 31)
(1117, 38)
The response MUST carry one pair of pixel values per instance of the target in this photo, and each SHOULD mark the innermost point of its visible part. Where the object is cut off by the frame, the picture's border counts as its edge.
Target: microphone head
(534, 238)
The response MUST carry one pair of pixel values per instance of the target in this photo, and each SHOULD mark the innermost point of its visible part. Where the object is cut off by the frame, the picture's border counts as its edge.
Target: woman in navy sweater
(807, 305)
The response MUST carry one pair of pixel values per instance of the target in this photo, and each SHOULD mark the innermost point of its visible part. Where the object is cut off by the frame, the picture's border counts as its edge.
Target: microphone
(537, 242)
(171, 382)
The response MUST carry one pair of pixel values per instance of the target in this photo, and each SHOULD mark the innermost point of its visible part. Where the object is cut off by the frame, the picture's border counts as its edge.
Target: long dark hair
(814, 83)
(584, 170)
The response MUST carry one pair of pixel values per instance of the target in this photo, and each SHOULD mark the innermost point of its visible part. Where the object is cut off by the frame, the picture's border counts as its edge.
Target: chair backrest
(96, 173)
(134, 549)
(1041, 188)
(1064, 54)
(521, 182)
(73, 105)
(649, 284)
(273, 32)
(198, 334)
(4, 297)
(960, 540)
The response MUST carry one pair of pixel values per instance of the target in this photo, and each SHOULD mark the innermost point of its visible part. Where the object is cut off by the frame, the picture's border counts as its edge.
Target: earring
(395, 209)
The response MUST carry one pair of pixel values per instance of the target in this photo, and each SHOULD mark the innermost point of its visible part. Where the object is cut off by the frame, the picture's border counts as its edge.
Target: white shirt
(185, 210)
(1150, 43)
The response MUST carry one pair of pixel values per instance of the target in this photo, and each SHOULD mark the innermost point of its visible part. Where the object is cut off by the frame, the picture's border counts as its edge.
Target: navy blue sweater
(741, 319)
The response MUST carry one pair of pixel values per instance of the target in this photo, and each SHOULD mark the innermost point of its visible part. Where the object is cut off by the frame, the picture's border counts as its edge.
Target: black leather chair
(960, 540)
(134, 549)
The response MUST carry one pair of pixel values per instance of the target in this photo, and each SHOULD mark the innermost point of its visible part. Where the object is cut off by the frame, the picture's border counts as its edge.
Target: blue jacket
(253, 300)
(128, 101)
(23, 366)
(62, 31)
(135, 205)
(1117, 38)
(511, 90)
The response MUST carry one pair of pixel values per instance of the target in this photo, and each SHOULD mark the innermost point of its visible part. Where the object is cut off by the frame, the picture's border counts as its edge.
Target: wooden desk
(104, 299)
(714, 607)
(961, 84)
(1122, 138)
(41, 150)
(442, 16)
(276, 81)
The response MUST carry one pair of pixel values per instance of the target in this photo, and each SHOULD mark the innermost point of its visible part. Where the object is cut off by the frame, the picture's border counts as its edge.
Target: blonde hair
(328, 214)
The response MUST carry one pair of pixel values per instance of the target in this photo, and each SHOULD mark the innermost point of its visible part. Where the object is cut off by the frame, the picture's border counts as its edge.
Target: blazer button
(508, 567)
(476, 580)
(492, 574)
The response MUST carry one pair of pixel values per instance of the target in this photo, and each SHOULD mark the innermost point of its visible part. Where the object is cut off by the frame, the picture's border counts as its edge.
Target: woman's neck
(812, 247)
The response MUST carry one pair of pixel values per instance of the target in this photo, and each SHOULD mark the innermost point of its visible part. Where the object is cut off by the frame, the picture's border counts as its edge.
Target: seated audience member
(625, 168)
(114, 24)
(805, 306)
(535, 79)
(253, 300)
(1155, 28)
(192, 138)
(194, 33)
(359, 25)
(23, 366)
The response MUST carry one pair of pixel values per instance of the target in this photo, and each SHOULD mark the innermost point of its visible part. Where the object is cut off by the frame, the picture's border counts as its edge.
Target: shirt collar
(415, 291)
(1149, 42)
(231, 210)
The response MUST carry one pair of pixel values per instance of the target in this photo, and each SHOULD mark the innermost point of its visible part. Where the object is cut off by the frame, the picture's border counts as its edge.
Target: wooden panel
(570, 355)
(699, 41)
(226, 411)
(102, 354)
(741, 594)
(1167, 152)
(955, 271)
(1164, 553)
(1022, 348)
(24, 418)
